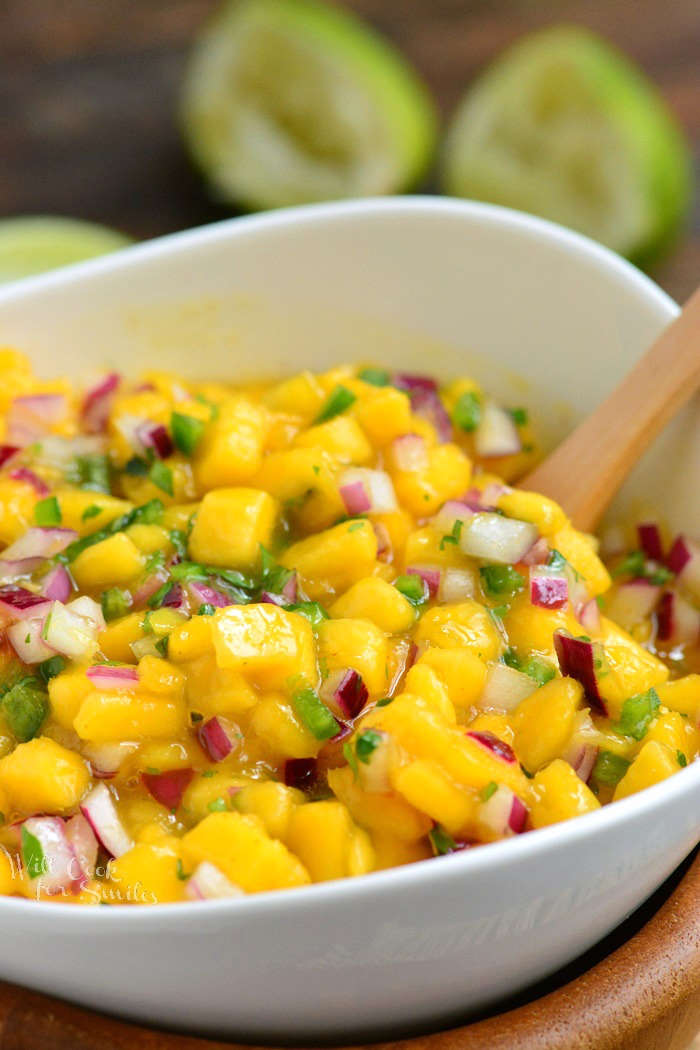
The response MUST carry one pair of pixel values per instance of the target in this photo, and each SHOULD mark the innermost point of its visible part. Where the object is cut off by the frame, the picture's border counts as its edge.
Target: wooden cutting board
(645, 995)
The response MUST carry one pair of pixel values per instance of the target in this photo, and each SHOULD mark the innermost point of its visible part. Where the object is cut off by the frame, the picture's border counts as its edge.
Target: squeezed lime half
(564, 126)
(292, 101)
(36, 243)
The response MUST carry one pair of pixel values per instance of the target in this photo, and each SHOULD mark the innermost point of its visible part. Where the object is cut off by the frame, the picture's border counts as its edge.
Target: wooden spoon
(584, 473)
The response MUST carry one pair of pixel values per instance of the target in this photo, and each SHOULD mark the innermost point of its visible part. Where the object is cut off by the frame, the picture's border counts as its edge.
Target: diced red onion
(300, 773)
(97, 404)
(456, 585)
(101, 814)
(202, 594)
(219, 737)
(290, 591)
(684, 560)
(430, 577)
(169, 787)
(582, 760)
(207, 882)
(355, 498)
(145, 591)
(496, 434)
(518, 816)
(7, 452)
(503, 814)
(546, 590)
(410, 452)
(344, 692)
(63, 871)
(89, 610)
(367, 491)
(68, 633)
(498, 748)
(25, 638)
(427, 405)
(577, 659)
(504, 688)
(373, 775)
(84, 842)
(588, 616)
(633, 602)
(677, 621)
(412, 383)
(495, 538)
(106, 759)
(109, 678)
(268, 598)
(57, 584)
(176, 598)
(40, 542)
(30, 478)
(12, 571)
(650, 540)
(17, 603)
(30, 416)
(155, 436)
(451, 512)
(538, 553)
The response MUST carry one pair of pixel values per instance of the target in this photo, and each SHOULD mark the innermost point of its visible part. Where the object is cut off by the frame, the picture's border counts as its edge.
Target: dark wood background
(88, 93)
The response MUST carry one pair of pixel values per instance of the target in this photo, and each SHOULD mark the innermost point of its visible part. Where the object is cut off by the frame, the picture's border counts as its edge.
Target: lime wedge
(563, 126)
(291, 101)
(36, 243)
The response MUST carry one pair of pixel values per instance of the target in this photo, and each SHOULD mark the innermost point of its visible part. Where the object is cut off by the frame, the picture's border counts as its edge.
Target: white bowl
(437, 285)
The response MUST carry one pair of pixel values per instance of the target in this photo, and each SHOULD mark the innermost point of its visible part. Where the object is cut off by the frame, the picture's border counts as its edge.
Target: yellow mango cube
(109, 563)
(392, 852)
(215, 789)
(107, 717)
(676, 732)
(544, 722)
(631, 668)
(374, 599)
(150, 538)
(384, 414)
(239, 846)
(445, 476)
(654, 763)
(463, 673)
(466, 625)
(301, 395)
(327, 842)
(41, 776)
(277, 725)
(580, 550)
(385, 814)
(557, 794)
(273, 803)
(358, 644)
(146, 874)
(78, 509)
(116, 639)
(17, 502)
(531, 506)
(532, 627)
(331, 561)
(426, 786)
(264, 642)
(213, 690)
(682, 695)
(190, 640)
(67, 691)
(421, 680)
(231, 525)
(230, 451)
(340, 438)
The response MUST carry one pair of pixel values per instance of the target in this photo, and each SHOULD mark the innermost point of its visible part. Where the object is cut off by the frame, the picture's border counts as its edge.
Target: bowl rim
(435, 870)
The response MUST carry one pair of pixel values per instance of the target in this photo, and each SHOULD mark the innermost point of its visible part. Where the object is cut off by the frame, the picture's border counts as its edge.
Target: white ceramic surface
(442, 286)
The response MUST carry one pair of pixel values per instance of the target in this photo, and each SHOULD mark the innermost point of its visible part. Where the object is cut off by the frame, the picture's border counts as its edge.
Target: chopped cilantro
(158, 597)
(385, 701)
(490, 790)
(115, 603)
(500, 580)
(48, 669)
(467, 412)
(47, 512)
(90, 472)
(659, 575)
(162, 477)
(632, 564)
(355, 526)
(25, 705)
(162, 645)
(313, 612)
(147, 514)
(413, 587)
(178, 538)
(195, 717)
(375, 376)
(180, 871)
(339, 400)
(541, 671)
(217, 805)
(136, 467)
(350, 757)
(637, 713)
(682, 760)
(33, 855)
(366, 744)
(609, 768)
(90, 512)
(519, 416)
(441, 842)
(206, 609)
(454, 536)
(187, 432)
(314, 714)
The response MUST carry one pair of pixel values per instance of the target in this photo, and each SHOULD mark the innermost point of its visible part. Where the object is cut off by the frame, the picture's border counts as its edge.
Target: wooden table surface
(88, 94)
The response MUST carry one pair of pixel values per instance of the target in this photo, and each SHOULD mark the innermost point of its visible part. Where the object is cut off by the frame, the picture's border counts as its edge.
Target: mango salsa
(260, 636)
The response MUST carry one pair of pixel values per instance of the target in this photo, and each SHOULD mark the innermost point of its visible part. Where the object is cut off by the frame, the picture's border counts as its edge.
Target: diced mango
(111, 562)
(331, 561)
(279, 727)
(531, 506)
(386, 814)
(116, 639)
(328, 843)
(106, 717)
(630, 668)
(654, 763)
(146, 874)
(463, 673)
(239, 846)
(384, 414)
(78, 509)
(358, 644)
(340, 438)
(426, 786)
(230, 451)
(66, 693)
(559, 794)
(682, 695)
(445, 476)
(273, 803)
(424, 682)
(391, 852)
(544, 722)
(374, 599)
(580, 550)
(676, 732)
(213, 690)
(465, 625)
(300, 395)
(211, 790)
(230, 527)
(532, 627)
(41, 776)
(150, 538)
(190, 640)
(17, 502)
(264, 642)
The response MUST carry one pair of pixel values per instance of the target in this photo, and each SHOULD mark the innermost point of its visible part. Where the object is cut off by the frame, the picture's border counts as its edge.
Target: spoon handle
(586, 470)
